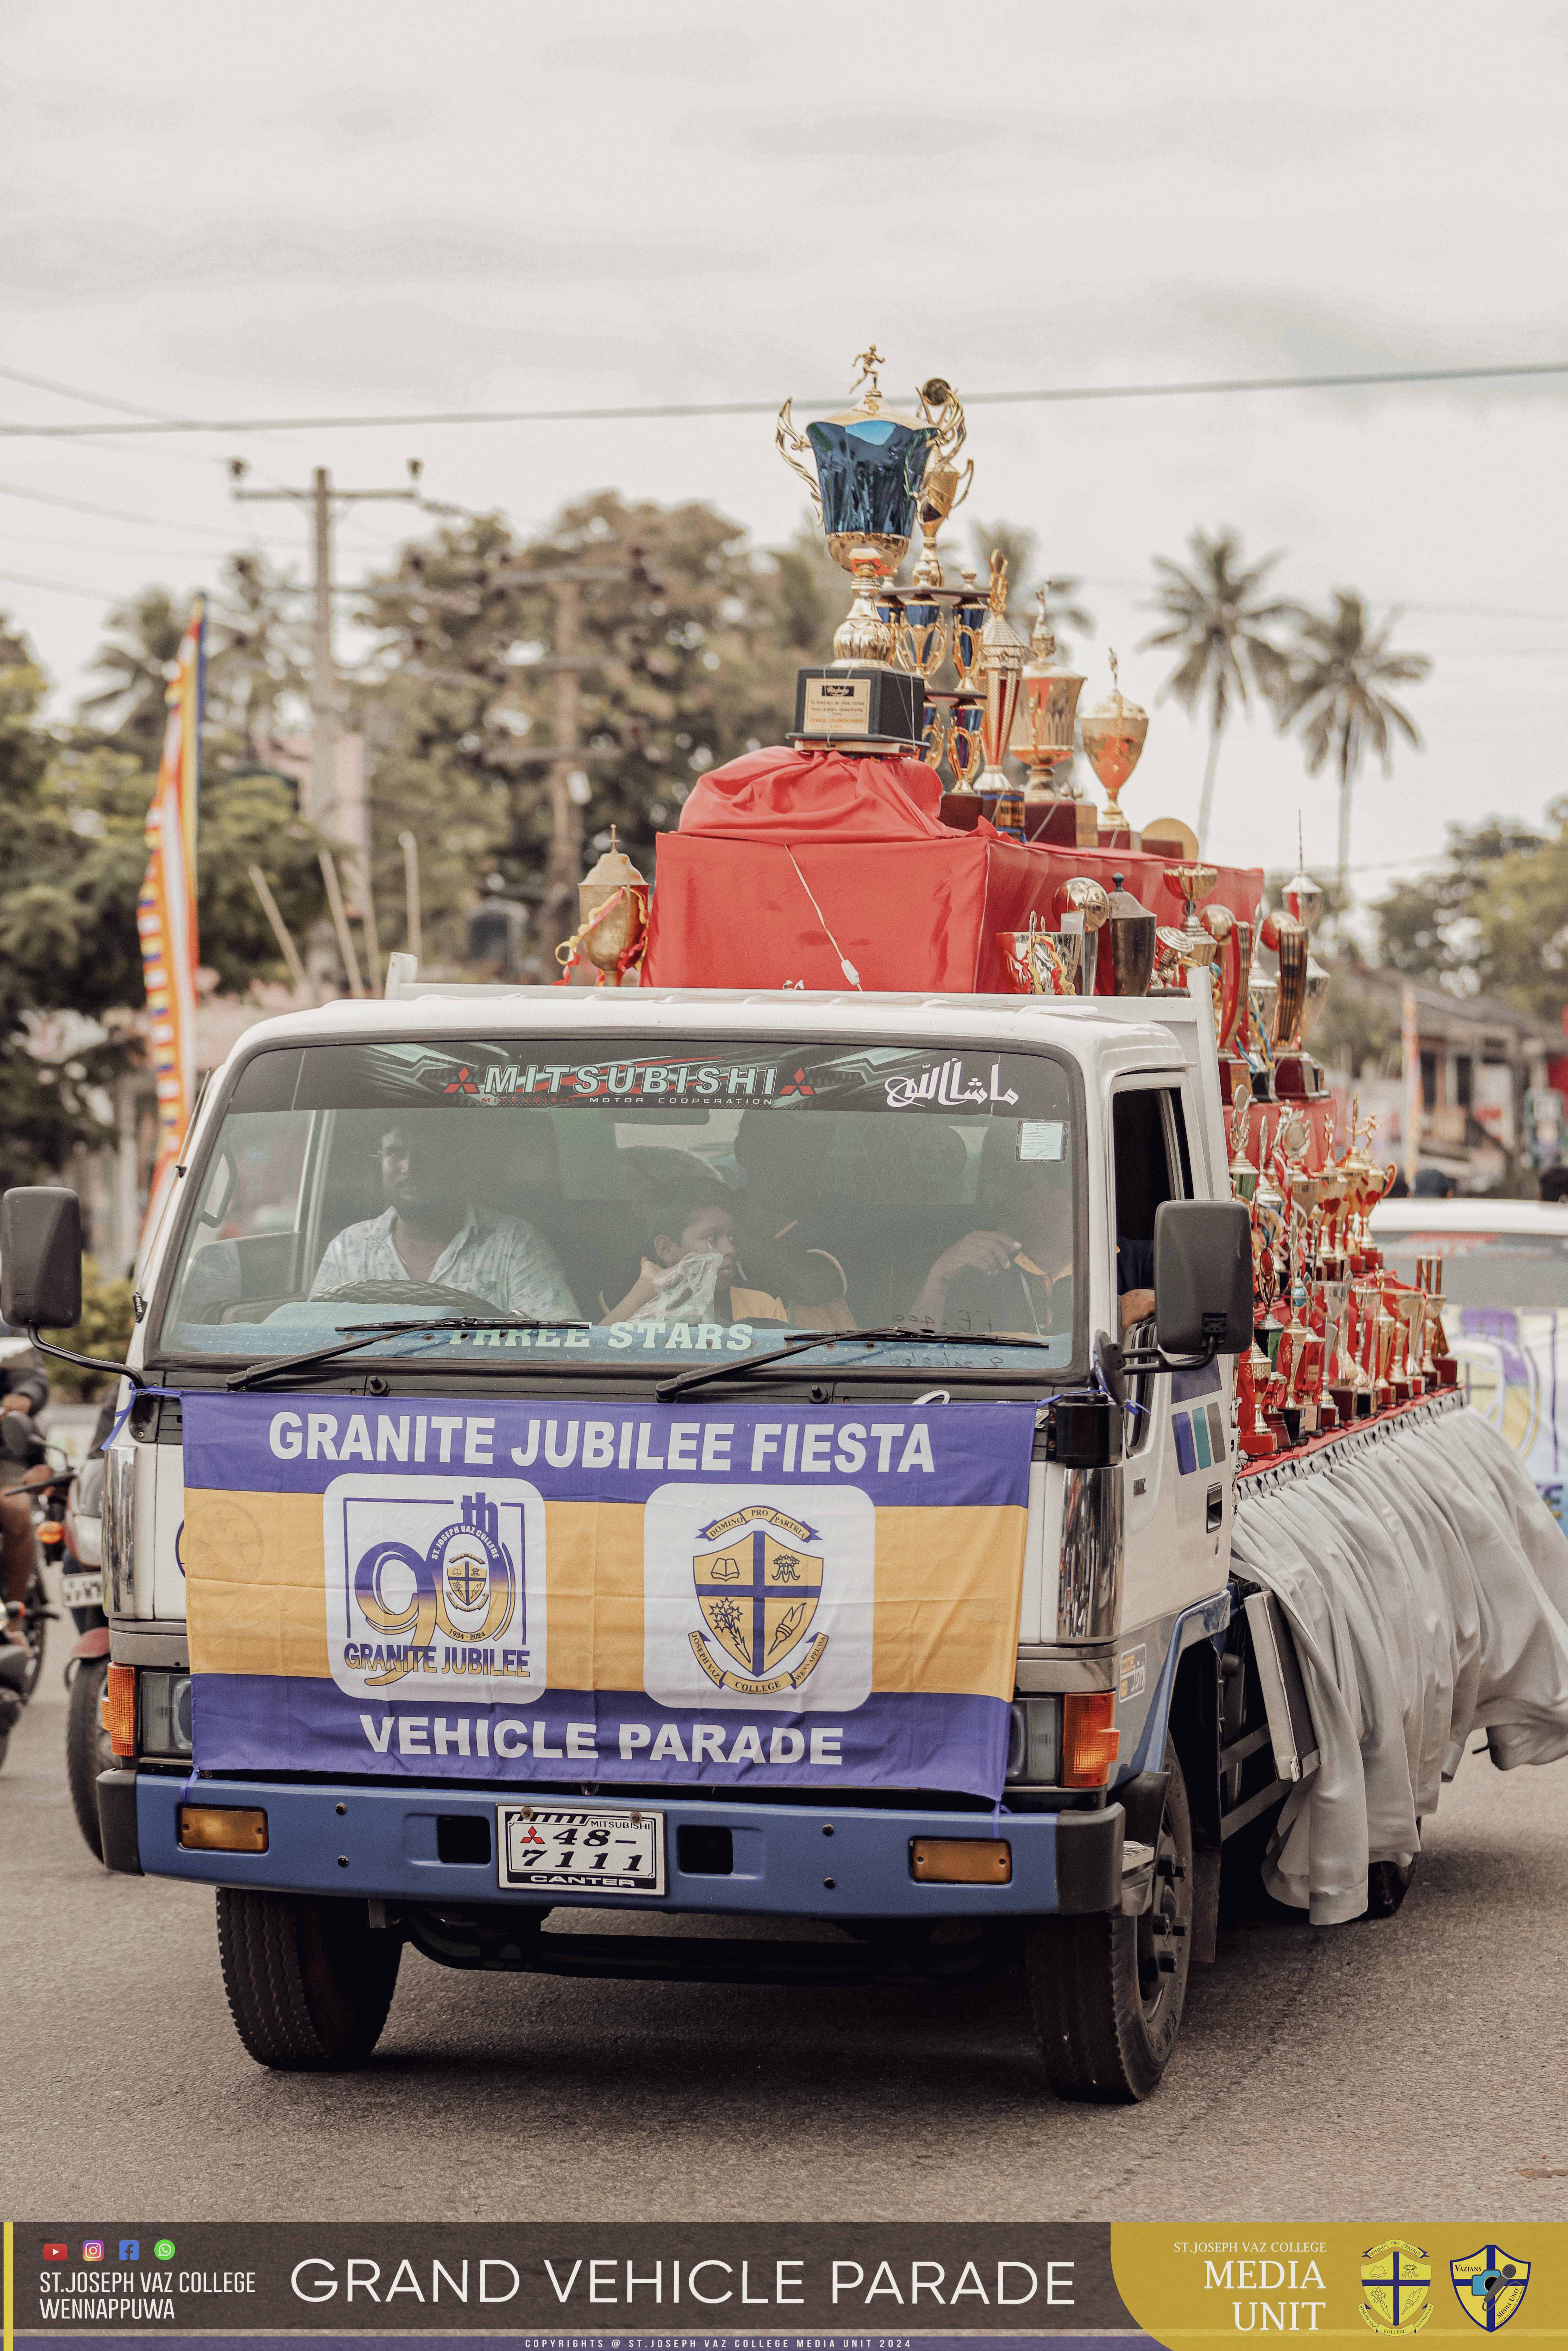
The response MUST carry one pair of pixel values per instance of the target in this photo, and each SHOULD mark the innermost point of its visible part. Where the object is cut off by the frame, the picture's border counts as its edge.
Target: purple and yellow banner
(492, 1589)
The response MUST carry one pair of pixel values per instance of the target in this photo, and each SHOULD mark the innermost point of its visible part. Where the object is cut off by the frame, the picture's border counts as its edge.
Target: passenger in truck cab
(690, 1273)
(1013, 1272)
(432, 1233)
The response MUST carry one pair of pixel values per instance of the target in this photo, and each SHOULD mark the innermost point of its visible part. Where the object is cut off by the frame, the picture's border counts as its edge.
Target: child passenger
(690, 1274)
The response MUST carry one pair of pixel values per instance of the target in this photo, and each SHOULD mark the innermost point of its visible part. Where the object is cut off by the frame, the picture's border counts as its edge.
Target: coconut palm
(135, 662)
(1220, 624)
(1066, 615)
(1339, 665)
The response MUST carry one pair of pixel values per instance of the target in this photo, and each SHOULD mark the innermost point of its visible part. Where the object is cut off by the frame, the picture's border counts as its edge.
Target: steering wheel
(407, 1294)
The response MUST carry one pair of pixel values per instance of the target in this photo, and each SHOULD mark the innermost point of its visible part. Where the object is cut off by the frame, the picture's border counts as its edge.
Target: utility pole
(321, 802)
(565, 756)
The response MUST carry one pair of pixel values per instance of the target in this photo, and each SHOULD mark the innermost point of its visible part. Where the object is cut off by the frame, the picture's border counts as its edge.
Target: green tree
(76, 812)
(1340, 665)
(1064, 608)
(140, 644)
(1492, 918)
(1220, 624)
(691, 660)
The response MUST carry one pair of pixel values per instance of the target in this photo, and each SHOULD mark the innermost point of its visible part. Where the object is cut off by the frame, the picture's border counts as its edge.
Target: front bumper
(788, 1860)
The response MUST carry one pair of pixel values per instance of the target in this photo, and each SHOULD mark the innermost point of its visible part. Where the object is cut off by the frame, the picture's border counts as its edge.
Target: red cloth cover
(909, 902)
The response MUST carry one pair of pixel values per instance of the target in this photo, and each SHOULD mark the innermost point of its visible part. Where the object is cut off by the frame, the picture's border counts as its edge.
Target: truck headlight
(1034, 1743)
(119, 1528)
(166, 1713)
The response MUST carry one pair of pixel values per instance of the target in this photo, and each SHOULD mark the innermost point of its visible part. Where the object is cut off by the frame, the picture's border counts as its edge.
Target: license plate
(82, 1591)
(571, 1848)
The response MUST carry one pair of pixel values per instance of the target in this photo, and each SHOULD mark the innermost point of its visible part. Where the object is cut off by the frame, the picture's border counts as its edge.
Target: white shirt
(498, 1257)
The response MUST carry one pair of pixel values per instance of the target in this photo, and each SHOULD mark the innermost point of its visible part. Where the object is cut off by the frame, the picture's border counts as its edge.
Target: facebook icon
(131, 2248)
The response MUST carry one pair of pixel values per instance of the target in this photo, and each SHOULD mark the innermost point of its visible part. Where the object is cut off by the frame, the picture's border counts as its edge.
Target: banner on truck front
(496, 1590)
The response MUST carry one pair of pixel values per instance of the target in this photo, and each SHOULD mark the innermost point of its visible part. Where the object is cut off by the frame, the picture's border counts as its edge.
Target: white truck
(694, 1453)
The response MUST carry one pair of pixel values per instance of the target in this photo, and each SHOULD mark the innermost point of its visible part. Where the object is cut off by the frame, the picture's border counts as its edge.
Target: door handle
(1216, 1510)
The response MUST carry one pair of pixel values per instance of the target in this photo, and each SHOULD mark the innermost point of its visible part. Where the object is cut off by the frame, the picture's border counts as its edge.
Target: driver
(26, 1391)
(432, 1232)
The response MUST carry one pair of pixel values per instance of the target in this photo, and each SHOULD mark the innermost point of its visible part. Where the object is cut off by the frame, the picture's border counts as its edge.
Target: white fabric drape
(1425, 1587)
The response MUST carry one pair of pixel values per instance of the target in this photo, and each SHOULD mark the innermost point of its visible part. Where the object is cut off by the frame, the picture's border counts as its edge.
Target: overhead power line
(60, 587)
(1347, 380)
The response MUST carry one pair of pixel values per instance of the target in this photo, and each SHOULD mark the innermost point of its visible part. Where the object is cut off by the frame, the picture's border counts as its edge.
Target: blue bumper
(790, 1860)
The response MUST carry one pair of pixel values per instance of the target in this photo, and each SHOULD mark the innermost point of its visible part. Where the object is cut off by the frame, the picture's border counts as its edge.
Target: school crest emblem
(1490, 2285)
(757, 1591)
(1396, 2288)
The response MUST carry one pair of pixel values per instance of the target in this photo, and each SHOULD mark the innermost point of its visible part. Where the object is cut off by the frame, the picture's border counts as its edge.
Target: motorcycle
(21, 1667)
(80, 1559)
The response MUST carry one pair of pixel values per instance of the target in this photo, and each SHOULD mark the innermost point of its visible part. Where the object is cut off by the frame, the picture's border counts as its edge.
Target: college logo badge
(1396, 2288)
(464, 1585)
(435, 1585)
(1490, 2285)
(757, 1595)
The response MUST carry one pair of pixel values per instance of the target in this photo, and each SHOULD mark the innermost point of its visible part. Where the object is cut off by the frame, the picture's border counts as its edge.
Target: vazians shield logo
(1490, 2285)
(758, 1594)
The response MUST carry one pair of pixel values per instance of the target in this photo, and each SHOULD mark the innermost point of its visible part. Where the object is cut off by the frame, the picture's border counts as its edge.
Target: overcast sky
(336, 207)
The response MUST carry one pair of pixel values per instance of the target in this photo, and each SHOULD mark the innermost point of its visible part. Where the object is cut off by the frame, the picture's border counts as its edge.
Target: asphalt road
(1413, 2066)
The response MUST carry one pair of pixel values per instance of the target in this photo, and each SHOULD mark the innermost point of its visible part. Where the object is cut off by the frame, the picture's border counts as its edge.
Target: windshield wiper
(367, 1333)
(745, 1365)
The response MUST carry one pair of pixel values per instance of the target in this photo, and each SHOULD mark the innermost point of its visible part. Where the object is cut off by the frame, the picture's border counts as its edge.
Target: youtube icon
(57, 2253)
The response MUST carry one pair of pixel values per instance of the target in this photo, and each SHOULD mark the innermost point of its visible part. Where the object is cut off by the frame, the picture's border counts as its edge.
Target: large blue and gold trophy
(871, 468)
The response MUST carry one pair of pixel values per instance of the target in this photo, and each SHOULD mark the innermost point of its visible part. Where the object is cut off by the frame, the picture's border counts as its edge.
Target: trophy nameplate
(884, 709)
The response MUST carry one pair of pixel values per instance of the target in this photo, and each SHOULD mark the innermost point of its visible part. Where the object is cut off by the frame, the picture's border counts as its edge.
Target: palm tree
(135, 659)
(1339, 665)
(1217, 620)
(1065, 612)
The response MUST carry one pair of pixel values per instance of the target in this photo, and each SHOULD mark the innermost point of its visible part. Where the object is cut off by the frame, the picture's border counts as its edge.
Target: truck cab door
(1177, 1466)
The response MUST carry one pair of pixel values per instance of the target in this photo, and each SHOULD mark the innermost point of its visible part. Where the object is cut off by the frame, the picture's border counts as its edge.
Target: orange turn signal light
(1090, 1739)
(221, 1828)
(119, 1709)
(961, 1861)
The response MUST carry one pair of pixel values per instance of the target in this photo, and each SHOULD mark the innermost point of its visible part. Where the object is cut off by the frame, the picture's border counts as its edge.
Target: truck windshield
(702, 1201)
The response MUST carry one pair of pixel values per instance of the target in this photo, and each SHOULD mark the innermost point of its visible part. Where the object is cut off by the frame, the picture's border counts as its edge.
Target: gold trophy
(942, 486)
(869, 469)
(613, 900)
(1083, 896)
(1039, 962)
(1043, 739)
(1302, 988)
(1193, 948)
(1001, 676)
(1114, 732)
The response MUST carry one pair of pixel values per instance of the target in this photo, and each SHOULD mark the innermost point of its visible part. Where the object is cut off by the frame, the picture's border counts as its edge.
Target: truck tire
(309, 1982)
(88, 1751)
(1106, 2011)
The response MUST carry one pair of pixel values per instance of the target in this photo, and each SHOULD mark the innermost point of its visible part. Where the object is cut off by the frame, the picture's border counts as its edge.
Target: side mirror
(40, 1258)
(1203, 1276)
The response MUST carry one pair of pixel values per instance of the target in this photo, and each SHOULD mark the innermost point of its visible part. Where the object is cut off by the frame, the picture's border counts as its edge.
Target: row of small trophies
(1339, 1337)
(872, 476)
(1263, 1022)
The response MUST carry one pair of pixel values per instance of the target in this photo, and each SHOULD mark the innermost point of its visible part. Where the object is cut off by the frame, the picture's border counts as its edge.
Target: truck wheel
(88, 1751)
(309, 1982)
(1107, 1992)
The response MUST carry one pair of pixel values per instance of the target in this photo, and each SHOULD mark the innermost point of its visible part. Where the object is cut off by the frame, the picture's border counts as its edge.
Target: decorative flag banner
(497, 1589)
(166, 915)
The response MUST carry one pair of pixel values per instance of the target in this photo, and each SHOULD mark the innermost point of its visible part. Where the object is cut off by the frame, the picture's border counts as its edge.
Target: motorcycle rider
(26, 1393)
